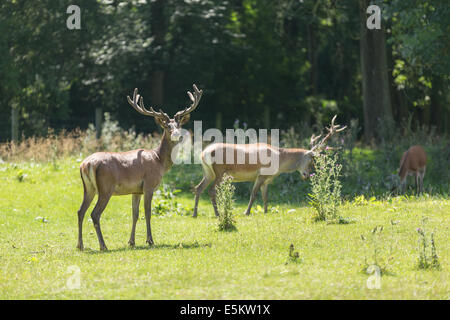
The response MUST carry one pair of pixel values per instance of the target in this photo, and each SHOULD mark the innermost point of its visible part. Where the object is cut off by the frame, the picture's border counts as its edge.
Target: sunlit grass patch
(192, 260)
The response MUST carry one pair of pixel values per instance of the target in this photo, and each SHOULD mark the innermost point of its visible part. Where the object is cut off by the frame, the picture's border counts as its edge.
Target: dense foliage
(269, 63)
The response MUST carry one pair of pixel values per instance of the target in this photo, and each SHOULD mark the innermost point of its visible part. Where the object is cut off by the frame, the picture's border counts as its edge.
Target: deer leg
(417, 182)
(259, 181)
(198, 191)
(420, 183)
(212, 194)
(264, 196)
(136, 199)
(403, 185)
(421, 174)
(148, 215)
(96, 214)
(87, 200)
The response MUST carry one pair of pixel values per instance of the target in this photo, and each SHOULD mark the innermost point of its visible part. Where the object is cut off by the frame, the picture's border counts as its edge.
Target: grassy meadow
(192, 260)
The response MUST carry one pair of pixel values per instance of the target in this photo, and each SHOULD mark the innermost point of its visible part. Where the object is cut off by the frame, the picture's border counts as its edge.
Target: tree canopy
(268, 63)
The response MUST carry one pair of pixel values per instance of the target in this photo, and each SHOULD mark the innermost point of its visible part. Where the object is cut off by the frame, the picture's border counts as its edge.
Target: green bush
(225, 203)
(165, 203)
(428, 258)
(325, 196)
(376, 254)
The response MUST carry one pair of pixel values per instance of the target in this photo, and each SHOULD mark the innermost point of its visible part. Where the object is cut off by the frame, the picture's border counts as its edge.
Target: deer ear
(184, 119)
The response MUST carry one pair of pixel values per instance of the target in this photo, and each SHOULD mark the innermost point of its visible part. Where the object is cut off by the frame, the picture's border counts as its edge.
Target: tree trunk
(375, 80)
(157, 87)
(399, 109)
(400, 102)
(14, 123)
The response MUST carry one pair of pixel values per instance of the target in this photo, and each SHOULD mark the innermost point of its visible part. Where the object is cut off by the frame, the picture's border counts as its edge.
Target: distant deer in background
(290, 160)
(134, 172)
(413, 162)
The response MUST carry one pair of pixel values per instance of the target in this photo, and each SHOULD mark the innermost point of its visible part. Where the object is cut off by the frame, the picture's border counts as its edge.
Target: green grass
(192, 260)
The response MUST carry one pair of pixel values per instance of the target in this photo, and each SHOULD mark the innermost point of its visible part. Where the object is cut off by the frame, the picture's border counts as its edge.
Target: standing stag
(289, 160)
(133, 172)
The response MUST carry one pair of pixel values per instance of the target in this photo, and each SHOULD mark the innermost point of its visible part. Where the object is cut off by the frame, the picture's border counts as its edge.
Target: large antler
(195, 98)
(142, 110)
(331, 130)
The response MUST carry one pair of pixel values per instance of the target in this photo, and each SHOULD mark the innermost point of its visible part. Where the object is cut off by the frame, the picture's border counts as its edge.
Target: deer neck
(402, 173)
(164, 151)
(291, 159)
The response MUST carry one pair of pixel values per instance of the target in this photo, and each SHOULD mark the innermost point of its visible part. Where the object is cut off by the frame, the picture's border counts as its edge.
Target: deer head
(170, 126)
(316, 147)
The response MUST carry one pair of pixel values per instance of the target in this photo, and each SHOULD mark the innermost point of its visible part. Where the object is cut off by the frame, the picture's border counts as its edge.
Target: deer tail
(88, 175)
(208, 170)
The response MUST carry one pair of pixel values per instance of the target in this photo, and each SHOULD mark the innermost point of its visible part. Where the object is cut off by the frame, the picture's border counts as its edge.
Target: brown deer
(413, 162)
(289, 160)
(134, 172)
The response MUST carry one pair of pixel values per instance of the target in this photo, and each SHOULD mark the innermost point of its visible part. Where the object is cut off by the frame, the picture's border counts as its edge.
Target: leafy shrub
(374, 254)
(225, 203)
(428, 258)
(325, 196)
(294, 256)
(165, 203)
(114, 138)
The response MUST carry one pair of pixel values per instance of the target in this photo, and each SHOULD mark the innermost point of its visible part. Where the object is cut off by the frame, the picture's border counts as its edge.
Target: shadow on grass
(179, 246)
(231, 228)
(242, 200)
